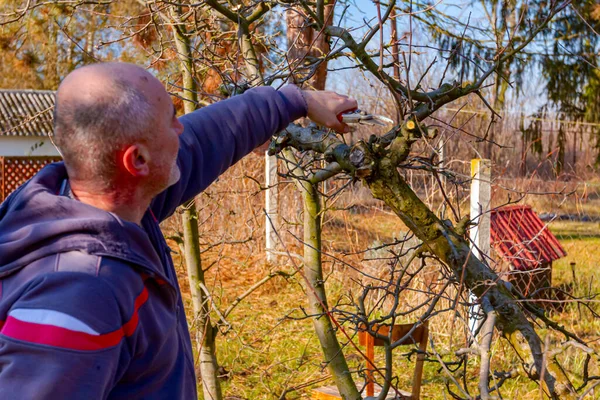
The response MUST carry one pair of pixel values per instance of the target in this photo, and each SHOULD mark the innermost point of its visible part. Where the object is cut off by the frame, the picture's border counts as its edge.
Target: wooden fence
(14, 171)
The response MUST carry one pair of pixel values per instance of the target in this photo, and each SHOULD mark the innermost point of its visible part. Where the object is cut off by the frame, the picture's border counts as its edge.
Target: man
(90, 307)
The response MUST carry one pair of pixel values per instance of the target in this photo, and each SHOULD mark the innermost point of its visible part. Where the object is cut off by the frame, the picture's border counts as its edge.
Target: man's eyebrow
(174, 110)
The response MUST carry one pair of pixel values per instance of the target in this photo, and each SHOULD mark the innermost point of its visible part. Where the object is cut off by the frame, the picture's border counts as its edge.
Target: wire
(563, 121)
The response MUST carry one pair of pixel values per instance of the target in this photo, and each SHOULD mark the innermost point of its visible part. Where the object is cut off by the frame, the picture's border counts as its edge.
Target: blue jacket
(90, 307)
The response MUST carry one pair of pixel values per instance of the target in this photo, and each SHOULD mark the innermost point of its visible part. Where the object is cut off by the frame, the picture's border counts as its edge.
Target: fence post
(481, 196)
(441, 150)
(271, 206)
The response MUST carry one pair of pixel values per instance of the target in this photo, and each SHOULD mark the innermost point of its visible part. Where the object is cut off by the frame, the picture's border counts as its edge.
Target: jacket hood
(36, 221)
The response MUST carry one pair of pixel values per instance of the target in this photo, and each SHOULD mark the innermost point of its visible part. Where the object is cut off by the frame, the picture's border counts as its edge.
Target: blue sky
(463, 10)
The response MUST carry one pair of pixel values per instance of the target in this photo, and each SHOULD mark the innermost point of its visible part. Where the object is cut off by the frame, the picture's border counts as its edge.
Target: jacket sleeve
(218, 136)
(62, 339)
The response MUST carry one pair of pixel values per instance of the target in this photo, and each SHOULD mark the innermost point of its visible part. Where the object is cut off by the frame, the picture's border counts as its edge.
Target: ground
(271, 351)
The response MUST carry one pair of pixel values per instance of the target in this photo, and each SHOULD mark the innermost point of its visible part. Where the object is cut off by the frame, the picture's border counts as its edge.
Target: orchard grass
(271, 350)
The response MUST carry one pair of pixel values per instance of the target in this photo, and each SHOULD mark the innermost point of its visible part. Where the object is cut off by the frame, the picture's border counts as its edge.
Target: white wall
(24, 146)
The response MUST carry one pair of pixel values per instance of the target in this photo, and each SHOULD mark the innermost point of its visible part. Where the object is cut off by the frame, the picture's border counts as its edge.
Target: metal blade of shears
(362, 117)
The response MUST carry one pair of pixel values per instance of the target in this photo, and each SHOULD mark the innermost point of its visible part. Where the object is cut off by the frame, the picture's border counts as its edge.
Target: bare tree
(376, 162)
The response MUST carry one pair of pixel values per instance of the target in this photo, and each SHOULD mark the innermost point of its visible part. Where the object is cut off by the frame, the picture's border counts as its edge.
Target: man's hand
(323, 109)
(325, 106)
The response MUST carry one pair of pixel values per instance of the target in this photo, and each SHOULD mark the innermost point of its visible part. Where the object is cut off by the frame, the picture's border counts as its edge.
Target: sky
(365, 10)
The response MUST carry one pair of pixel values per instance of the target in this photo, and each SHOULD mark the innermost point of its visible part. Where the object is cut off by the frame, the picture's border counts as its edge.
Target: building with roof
(25, 123)
(526, 248)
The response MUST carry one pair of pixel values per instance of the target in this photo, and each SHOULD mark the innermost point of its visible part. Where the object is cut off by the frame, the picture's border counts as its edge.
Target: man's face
(164, 143)
(173, 131)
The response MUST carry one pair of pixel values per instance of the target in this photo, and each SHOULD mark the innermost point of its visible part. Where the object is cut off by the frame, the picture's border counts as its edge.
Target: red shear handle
(340, 116)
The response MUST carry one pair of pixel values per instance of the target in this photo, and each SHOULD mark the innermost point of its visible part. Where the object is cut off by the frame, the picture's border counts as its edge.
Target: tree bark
(304, 41)
(305, 45)
(317, 298)
(386, 184)
(206, 331)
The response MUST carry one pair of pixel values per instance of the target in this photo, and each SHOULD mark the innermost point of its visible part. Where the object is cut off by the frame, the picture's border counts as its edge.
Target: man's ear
(135, 160)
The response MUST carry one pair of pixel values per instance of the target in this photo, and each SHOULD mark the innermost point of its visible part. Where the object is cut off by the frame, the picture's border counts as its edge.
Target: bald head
(89, 84)
(99, 109)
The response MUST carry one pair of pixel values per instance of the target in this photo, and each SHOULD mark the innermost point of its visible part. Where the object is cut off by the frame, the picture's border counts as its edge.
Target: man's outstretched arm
(217, 136)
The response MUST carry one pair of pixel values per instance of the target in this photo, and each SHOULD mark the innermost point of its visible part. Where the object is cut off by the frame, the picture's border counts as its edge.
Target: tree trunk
(386, 184)
(304, 41)
(317, 298)
(206, 331)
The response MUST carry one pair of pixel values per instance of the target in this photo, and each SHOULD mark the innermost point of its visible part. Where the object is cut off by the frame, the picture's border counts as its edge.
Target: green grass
(581, 241)
(272, 347)
(578, 271)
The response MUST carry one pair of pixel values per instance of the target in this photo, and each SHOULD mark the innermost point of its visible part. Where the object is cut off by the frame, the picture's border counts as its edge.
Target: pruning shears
(364, 118)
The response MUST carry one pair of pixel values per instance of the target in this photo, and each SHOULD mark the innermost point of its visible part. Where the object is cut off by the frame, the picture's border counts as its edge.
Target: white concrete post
(271, 206)
(481, 195)
(442, 158)
(441, 150)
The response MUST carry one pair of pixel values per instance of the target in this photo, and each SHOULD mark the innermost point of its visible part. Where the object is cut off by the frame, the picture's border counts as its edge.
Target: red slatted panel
(14, 171)
(519, 252)
(521, 238)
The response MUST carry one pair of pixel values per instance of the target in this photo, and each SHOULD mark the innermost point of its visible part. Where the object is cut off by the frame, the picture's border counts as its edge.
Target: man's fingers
(339, 127)
(324, 108)
(348, 105)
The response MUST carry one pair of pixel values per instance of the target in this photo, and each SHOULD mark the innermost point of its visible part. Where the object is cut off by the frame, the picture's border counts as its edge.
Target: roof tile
(26, 112)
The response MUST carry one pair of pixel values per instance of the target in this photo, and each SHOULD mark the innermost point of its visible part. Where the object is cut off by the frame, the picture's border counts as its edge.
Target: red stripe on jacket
(61, 337)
